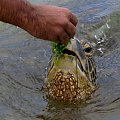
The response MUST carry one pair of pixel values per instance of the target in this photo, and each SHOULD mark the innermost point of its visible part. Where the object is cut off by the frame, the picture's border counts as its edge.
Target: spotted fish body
(73, 77)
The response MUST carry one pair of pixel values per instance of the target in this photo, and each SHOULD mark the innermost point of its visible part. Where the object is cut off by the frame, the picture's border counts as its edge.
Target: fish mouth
(69, 52)
(72, 53)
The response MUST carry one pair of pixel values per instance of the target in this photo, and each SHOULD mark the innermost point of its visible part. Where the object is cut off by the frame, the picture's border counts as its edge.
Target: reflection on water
(23, 62)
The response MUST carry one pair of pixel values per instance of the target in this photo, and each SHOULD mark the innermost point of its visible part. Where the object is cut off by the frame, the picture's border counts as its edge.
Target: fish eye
(88, 49)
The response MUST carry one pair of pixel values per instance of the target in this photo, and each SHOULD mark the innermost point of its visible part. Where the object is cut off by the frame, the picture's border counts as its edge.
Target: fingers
(70, 29)
(71, 25)
(73, 19)
(66, 33)
(64, 38)
(59, 36)
(70, 16)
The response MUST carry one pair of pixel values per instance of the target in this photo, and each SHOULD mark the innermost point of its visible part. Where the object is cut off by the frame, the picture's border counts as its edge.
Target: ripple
(23, 61)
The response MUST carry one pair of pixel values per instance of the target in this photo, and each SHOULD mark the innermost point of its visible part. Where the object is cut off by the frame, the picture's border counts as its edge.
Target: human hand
(52, 23)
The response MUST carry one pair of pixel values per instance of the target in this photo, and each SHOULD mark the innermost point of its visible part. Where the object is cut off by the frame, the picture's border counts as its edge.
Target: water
(23, 61)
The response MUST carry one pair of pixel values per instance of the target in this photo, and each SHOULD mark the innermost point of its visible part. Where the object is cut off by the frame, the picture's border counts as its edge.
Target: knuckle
(58, 31)
(66, 10)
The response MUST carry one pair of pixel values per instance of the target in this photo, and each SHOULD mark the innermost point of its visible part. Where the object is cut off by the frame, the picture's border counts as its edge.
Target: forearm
(16, 12)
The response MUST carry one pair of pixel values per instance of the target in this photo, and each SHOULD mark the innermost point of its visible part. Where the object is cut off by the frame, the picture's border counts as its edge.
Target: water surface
(23, 62)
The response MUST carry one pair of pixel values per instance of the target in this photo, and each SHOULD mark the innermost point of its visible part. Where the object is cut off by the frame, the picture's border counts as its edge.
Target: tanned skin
(42, 21)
